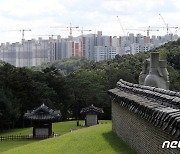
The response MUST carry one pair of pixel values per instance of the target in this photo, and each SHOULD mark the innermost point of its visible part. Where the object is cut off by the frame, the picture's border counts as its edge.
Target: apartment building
(95, 47)
(105, 53)
(27, 53)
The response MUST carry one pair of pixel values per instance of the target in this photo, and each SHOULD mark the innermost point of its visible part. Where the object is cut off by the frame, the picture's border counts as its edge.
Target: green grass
(91, 140)
(59, 128)
(7, 145)
(21, 131)
(64, 127)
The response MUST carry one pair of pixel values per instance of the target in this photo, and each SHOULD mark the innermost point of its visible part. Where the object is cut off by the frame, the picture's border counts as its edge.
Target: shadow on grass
(117, 144)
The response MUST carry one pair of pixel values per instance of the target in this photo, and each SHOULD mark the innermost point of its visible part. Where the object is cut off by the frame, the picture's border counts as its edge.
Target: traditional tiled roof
(160, 107)
(43, 113)
(91, 108)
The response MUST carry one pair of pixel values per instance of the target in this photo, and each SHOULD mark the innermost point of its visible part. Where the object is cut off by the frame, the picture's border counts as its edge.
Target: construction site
(92, 46)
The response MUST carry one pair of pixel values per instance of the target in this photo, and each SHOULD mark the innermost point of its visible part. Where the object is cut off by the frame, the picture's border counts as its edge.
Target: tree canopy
(71, 84)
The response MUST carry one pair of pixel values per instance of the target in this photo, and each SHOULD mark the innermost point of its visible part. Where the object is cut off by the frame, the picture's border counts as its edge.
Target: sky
(42, 16)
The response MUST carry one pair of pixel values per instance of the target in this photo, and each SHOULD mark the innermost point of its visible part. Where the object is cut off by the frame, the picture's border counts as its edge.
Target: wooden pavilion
(42, 119)
(91, 113)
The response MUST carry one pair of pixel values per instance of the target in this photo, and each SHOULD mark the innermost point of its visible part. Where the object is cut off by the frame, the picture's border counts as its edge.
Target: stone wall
(138, 133)
(144, 117)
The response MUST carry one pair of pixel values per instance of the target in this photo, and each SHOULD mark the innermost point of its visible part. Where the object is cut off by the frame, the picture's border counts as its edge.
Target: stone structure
(158, 74)
(165, 74)
(91, 115)
(144, 72)
(144, 117)
(42, 119)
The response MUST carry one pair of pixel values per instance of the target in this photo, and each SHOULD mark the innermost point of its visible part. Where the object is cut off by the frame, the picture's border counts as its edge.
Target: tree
(9, 110)
(87, 87)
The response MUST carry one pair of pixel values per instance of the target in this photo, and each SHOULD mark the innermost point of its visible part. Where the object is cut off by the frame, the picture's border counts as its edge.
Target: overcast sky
(40, 15)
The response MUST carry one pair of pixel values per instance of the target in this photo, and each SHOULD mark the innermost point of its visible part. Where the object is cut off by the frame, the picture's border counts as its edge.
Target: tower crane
(82, 30)
(21, 30)
(145, 30)
(121, 25)
(166, 25)
(52, 35)
(70, 27)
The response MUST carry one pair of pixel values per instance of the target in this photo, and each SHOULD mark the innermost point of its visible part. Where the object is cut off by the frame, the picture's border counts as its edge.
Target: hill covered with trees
(73, 83)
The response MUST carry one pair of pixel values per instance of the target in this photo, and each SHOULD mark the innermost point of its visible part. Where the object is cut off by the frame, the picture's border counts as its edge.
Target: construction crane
(21, 30)
(166, 25)
(145, 30)
(52, 35)
(167, 28)
(148, 29)
(70, 27)
(82, 30)
(121, 26)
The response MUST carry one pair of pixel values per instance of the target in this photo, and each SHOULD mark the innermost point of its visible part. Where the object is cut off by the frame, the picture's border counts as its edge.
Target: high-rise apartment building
(95, 47)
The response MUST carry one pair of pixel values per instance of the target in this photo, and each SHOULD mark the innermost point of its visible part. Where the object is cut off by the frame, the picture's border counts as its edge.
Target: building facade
(96, 47)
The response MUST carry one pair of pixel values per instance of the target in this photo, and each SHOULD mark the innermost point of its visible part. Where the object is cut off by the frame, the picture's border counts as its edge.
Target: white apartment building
(32, 52)
(107, 47)
(113, 51)
(28, 53)
(7, 53)
(92, 46)
(136, 48)
(67, 48)
(88, 44)
(105, 53)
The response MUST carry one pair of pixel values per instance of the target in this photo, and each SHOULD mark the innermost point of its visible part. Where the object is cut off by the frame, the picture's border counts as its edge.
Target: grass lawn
(6, 145)
(91, 140)
(59, 128)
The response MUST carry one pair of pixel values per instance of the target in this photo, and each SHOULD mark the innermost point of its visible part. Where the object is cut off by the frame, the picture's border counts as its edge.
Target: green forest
(72, 84)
